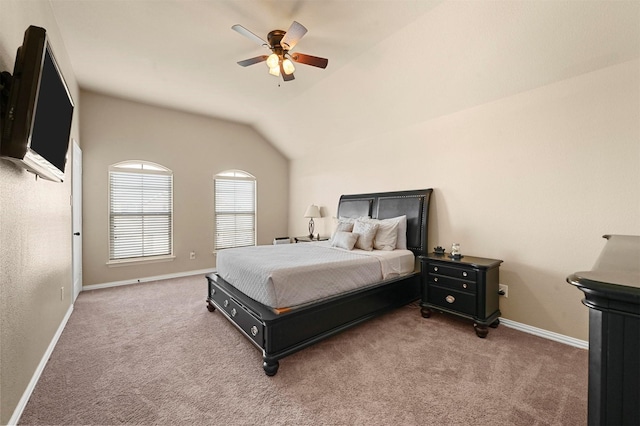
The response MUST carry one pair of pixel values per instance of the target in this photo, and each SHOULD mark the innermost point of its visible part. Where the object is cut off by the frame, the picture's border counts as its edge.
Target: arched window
(235, 209)
(140, 211)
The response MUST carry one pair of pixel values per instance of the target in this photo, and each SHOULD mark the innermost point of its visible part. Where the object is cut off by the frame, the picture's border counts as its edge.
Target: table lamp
(312, 211)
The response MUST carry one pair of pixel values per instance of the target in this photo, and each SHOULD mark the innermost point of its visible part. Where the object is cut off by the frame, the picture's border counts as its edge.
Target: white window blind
(235, 210)
(140, 211)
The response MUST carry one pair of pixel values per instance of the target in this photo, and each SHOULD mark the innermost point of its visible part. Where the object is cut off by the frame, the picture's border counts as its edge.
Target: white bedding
(288, 275)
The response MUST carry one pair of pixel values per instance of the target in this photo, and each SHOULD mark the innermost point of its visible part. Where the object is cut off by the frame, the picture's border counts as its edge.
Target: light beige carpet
(152, 354)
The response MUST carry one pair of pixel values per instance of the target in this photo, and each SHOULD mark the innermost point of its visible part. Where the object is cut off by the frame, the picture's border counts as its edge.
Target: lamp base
(311, 228)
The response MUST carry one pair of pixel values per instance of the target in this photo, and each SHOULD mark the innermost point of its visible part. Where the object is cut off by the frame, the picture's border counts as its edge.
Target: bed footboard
(278, 336)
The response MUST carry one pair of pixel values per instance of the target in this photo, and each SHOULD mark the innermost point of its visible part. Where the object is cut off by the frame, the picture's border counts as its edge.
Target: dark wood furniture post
(612, 292)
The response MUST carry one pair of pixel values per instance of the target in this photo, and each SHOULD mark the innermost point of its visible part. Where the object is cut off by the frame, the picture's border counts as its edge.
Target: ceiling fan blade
(252, 61)
(248, 34)
(285, 76)
(293, 35)
(309, 60)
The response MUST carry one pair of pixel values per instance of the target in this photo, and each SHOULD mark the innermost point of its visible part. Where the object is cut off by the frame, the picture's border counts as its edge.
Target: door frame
(76, 220)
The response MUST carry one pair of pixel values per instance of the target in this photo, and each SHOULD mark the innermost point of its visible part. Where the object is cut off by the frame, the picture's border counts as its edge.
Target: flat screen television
(37, 116)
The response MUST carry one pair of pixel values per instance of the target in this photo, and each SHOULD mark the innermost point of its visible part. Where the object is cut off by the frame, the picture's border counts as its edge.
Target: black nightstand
(308, 239)
(467, 287)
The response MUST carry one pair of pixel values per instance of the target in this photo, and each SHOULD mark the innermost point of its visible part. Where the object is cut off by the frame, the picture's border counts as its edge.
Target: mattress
(291, 275)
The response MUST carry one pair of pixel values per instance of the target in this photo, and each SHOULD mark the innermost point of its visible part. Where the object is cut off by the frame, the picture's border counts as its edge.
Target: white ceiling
(392, 63)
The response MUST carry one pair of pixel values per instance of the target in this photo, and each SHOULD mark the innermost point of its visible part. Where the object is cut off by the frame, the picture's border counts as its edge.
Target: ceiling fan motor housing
(274, 38)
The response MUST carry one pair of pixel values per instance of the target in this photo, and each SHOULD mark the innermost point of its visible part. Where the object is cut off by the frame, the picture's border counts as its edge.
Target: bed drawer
(454, 300)
(242, 318)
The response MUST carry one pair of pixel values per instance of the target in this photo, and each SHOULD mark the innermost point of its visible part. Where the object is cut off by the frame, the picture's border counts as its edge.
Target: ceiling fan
(281, 42)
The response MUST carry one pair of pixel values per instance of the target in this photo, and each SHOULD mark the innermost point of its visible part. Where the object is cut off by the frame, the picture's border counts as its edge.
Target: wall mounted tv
(37, 109)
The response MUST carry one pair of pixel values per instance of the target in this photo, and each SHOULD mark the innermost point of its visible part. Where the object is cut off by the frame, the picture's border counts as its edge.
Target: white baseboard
(146, 279)
(17, 413)
(582, 344)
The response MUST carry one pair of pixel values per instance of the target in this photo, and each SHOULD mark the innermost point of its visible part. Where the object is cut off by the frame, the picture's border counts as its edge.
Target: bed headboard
(382, 205)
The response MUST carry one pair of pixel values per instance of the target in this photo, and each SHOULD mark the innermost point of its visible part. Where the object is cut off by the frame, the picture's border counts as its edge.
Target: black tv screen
(37, 122)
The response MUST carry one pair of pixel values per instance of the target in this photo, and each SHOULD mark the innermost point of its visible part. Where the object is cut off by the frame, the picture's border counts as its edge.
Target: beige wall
(534, 179)
(195, 148)
(35, 231)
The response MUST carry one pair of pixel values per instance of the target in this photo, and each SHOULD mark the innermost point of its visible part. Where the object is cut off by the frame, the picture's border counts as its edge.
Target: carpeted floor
(152, 354)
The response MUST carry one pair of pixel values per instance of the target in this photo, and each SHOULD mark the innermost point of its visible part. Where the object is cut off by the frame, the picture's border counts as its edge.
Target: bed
(281, 325)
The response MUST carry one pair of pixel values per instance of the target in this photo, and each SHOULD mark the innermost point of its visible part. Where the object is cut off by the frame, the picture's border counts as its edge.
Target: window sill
(140, 260)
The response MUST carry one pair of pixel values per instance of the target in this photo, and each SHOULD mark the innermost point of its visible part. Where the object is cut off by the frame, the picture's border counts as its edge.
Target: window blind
(140, 214)
(235, 209)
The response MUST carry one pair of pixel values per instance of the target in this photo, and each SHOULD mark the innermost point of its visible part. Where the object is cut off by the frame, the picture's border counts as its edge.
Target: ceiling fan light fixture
(273, 61)
(275, 71)
(288, 67)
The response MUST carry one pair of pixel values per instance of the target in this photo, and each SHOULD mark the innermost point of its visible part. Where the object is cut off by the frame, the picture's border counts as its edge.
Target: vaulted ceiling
(392, 63)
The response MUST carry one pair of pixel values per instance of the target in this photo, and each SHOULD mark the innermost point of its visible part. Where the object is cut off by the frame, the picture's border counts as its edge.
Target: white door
(76, 214)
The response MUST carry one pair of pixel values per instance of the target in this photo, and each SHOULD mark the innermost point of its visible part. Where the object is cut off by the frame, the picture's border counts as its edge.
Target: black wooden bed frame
(280, 335)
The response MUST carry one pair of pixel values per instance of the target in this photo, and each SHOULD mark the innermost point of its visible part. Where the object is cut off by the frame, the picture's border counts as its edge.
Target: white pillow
(345, 240)
(366, 232)
(401, 240)
(387, 236)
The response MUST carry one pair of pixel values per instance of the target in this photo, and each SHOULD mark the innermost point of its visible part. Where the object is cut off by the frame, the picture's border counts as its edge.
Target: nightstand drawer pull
(435, 268)
(254, 331)
(464, 285)
(226, 303)
(435, 279)
(233, 312)
(464, 274)
(450, 299)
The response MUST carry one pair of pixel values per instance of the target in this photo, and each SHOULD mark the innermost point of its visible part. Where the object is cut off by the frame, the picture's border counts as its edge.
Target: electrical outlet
(503, 289)
(61, 293)
(192, 255)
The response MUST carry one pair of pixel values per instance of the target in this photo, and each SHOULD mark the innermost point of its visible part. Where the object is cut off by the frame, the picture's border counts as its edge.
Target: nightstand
(466, 287)
(308, 239)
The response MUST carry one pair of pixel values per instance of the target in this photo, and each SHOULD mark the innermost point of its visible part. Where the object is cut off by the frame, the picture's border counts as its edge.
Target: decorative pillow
(387, 236)
(345, 224)
(345, 240)
(366, 233)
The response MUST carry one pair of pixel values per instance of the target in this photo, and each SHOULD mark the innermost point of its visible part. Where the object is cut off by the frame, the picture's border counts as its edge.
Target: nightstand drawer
(463, 274)
(454, 284)
(454, 300)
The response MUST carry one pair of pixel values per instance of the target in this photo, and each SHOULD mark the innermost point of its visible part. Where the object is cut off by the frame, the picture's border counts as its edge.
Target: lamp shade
(312, 211)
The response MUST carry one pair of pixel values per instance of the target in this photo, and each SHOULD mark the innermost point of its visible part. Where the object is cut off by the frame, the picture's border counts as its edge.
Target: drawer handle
(233, 312)
(464, 274)
(464, 286)
(435, 268)
(450, 299)
(435, 279)
(226, 303)
(254, 331)
(213, 291)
